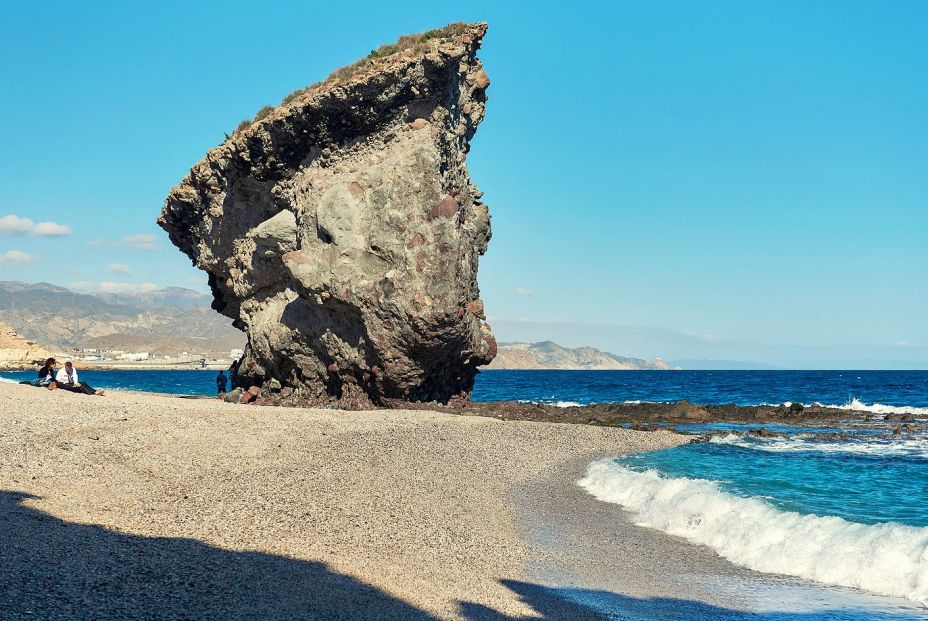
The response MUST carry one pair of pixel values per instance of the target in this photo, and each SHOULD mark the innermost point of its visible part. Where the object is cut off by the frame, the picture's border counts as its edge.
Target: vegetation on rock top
(416, 42)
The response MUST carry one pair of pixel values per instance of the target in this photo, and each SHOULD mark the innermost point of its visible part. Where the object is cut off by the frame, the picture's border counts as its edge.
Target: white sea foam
(859, 406)
(888, 447)
(888, 559)
(879, 408)
(557, 404)
(6, 380)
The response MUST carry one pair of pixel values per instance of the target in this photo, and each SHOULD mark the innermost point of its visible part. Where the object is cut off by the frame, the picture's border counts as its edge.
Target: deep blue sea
(893, 388)
(847, 511)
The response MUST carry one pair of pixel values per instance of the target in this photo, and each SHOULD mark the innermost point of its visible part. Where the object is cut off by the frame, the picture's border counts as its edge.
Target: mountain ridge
(550, 355)
(172, 320)
(164, 321)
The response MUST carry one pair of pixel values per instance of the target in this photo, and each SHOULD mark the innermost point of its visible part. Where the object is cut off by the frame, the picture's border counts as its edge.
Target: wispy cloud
(16, 256)
(699, 335)
(112, 287)
(523, 292)
(120, 268)
(15, 225)
(142, 241)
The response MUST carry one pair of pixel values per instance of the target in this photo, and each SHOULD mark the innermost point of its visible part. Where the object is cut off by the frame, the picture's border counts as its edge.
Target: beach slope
(134, 506)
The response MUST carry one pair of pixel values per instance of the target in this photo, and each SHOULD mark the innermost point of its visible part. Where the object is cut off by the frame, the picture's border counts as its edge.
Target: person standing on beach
(221, 383)
(67, 379)
(233, 373)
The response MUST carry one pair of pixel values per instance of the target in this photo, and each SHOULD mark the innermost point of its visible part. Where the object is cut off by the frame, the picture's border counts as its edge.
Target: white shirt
(62, 376)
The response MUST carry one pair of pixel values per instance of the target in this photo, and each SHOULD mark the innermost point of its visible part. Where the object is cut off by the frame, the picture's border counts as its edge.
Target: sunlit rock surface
(341, 232)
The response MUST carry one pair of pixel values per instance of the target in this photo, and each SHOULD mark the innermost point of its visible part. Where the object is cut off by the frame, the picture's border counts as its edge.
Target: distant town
(119, 359)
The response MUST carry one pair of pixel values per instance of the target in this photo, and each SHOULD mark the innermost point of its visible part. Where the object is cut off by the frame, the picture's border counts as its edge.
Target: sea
(844, 505)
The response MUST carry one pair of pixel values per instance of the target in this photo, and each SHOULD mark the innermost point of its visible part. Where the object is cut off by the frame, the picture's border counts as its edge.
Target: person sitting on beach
(221, 383)
(47, 374)
(67, 379)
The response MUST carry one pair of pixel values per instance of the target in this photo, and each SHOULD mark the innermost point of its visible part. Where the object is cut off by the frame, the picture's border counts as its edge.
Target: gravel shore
(135, 506)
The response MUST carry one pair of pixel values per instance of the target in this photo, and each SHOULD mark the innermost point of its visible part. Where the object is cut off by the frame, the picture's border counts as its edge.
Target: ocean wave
(887, 559)
(859, 406)
(557, 404)
(6, 380)
(879, 408)
(888, 447)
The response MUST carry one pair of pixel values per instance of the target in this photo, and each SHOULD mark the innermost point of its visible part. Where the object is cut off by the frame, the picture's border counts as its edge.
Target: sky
(737, 181)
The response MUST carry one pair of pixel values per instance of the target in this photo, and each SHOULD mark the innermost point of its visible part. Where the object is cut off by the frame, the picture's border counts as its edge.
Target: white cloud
(142, 241)
(525, 293)
(120, 268)
(15, 256)
(112, 287)
(14, 225)
(51, 229)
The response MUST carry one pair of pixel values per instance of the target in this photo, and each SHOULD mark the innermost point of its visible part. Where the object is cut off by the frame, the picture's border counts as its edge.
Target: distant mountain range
(167, 322)
(550, 355)
(162, 322)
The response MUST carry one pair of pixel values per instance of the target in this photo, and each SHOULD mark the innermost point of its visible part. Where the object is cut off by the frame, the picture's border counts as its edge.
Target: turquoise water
(847, 511)
(868, 482)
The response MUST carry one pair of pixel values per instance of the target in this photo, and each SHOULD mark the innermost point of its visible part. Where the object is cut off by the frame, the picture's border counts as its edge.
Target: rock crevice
(341, 232)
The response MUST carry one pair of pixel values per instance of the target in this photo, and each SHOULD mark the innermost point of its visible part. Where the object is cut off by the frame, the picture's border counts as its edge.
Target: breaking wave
(796, 443)
(857, 405)
(879, 408)
(886, 558)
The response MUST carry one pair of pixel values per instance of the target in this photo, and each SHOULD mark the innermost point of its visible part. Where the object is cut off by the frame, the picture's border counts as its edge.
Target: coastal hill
(550, 355)
(18, 352)
(163, 322)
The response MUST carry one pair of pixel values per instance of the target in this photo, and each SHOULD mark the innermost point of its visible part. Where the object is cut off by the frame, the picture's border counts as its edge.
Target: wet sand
(592, 553)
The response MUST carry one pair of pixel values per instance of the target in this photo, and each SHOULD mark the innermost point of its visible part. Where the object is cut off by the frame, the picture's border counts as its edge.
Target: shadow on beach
(53, 569)
(605, 606)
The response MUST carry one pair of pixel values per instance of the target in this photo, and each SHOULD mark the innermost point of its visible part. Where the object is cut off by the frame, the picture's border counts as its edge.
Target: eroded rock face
(342, 233)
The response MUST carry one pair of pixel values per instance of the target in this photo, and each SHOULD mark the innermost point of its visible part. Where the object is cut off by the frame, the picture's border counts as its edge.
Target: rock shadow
(588, 604)
(53, 569)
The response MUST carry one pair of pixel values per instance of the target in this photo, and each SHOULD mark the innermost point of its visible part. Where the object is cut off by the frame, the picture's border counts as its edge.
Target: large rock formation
(341, 232)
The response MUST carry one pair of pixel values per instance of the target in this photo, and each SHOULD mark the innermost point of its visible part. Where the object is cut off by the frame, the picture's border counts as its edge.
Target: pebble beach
(139, 506)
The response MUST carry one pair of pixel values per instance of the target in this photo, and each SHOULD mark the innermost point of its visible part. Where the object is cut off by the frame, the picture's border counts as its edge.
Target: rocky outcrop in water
(341, 231)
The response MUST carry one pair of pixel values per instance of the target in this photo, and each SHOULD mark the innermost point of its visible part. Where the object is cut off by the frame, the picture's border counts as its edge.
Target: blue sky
(724, 180)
